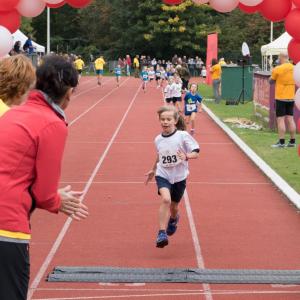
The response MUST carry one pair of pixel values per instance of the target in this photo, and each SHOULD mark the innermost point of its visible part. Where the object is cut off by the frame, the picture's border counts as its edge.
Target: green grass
(284, 161)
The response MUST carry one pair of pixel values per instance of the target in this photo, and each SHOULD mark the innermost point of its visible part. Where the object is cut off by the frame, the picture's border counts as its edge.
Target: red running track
(231, 217)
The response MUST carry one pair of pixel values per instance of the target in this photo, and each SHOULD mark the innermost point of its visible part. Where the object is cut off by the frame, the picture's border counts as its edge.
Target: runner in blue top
(145, 78)
(118, 73)
(191, 102)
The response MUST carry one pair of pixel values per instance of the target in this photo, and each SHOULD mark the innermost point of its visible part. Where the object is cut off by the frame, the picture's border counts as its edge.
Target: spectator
(283, 78)
(216, 71)
(128, 65)
(136, 66)
(32, 138)
(17, 76)
(28, 46)
(191, 64)
(198, 66)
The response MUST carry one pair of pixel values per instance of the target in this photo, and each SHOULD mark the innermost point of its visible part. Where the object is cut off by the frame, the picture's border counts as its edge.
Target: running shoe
(172, 225)
(278, 145)
(162, 239)
(291, 145)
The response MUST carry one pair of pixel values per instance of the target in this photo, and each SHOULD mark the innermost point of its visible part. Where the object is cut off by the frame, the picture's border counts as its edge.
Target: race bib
(145, 76)
(191, 107)
(169, 159)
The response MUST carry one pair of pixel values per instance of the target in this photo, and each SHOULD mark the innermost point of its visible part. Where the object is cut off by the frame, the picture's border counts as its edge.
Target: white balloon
(251, 2)
(6, 41)
(31, 8)
(297, 99)
(53, 1)
(224, 5)
(297, 74)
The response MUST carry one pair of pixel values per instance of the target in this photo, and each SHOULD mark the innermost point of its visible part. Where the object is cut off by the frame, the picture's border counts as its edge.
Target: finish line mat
(150, 275)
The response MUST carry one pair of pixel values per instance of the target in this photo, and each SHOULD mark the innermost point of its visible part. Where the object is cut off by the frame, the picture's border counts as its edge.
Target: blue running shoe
(172, 225)
(162, 239)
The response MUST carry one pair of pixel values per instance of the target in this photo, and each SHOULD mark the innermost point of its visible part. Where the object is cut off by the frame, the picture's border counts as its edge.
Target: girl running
(118, 73)
(176, 92)
(151, 73)
(158, 77)
(191, 102)
(168, 92)
(145, 78)
(174, 148)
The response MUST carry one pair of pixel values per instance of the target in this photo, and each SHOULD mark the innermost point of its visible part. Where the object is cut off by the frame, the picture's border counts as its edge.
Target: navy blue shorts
(176, 189)
(189, 113)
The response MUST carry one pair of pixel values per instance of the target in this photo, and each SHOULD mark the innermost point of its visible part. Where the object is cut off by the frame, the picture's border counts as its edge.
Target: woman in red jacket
(32, 140)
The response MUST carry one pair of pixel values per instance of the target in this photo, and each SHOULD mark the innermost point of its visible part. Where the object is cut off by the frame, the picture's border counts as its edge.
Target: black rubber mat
(151, 275)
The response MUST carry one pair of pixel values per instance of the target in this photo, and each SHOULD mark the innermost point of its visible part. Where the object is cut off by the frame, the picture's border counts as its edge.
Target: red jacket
(32, 140)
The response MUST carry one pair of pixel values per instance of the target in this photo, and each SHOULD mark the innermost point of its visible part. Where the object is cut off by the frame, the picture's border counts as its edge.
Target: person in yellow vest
(17, 77)
(283, 78)
(79, 65)
(216, 72)
(99, 66)
(136, 66)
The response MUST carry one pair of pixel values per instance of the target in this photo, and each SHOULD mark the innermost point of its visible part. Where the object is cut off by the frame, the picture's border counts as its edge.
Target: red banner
(212, 52)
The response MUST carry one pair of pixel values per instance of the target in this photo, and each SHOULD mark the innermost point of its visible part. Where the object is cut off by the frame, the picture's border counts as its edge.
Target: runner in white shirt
(168, 92)
(176, 92)
(174, 148)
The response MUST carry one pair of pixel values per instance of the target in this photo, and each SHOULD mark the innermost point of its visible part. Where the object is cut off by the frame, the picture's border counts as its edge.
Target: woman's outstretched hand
(71, 204)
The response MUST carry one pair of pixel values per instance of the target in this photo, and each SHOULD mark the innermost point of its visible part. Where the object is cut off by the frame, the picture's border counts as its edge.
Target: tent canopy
(277, 46)
(20, 36)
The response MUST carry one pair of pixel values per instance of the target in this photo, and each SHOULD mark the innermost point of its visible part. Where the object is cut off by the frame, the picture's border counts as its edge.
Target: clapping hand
(71, 204)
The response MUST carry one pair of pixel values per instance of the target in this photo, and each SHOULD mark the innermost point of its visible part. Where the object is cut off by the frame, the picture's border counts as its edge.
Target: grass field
(285, 162)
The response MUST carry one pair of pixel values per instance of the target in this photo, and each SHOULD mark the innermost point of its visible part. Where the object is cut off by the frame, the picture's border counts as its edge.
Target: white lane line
(189, 182)
(91, 107)
(222, 293)
(66, 226)
(196, 242)
(132, 142)
(144, 290)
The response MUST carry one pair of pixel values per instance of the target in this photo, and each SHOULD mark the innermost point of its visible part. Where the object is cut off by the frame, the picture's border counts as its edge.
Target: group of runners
(175, 146)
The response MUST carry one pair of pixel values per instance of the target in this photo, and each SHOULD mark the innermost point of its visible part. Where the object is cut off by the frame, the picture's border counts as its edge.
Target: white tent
(20, 36)
(275, 48)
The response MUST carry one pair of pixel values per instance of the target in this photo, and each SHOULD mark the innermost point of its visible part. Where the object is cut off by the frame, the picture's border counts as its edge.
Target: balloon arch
(284, 10)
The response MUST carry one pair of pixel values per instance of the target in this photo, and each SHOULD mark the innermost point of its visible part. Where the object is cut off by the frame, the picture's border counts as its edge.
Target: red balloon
(56, 5)
(10, 19)
(249, 9)
(78, 3)
(292, 23)
(296, 3)
(275, 11)
(294, 50)
(173, 2)
(7, 5)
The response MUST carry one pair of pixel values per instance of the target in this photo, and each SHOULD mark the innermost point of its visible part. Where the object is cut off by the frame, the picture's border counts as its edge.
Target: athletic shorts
(157, 78)
(14, 270)
(284, 108)
(177, 99)
(79, 71)
(176, 189)
(99, 72)
(169, 100)
(189, 113)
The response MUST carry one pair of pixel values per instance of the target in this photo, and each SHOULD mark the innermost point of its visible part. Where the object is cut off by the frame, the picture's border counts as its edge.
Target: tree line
(115, 28)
